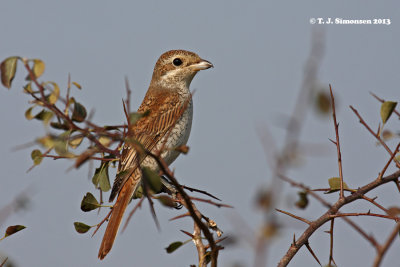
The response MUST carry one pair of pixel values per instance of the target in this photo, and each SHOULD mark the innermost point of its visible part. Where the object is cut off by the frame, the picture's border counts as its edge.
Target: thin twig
(339, 154)
(385, 247)
(331, 242)
(294, 216)
(389, 161)
(333, 210)
(375, 135)
(352, 214)
(100, 223)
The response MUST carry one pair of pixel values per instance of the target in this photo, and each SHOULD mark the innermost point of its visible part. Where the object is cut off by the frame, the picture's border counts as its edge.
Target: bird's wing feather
(165, 111)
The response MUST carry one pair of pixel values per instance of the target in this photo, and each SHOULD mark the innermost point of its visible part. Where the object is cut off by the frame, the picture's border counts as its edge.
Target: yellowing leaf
(28, 88)
(387, 109)
(77, 85)
(105, 141)
(8, 68)
(55, 94)
(334, 185)
(38, 67)
(28, 114)
(36, 156)
(75, 142)
(46, 141)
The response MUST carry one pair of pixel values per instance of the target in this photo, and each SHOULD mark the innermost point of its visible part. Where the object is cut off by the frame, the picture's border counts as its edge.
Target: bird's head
(176, 68)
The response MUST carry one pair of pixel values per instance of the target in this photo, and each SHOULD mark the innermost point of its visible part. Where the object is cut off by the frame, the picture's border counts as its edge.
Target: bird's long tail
(118, 211)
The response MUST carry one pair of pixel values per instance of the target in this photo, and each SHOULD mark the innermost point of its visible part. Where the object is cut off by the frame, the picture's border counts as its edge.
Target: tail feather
(118, 211)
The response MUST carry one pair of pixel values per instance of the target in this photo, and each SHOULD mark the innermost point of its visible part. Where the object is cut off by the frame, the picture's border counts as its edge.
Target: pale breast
(179, 136)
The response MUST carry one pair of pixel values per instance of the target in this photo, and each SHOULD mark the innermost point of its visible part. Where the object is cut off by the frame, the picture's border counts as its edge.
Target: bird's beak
(202, 65)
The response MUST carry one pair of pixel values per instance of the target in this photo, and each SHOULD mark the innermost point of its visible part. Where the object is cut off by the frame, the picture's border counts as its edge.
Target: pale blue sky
(259, 49)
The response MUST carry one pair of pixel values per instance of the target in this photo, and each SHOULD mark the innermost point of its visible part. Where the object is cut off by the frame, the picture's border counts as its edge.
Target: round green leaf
(81, 227)
(89, 202)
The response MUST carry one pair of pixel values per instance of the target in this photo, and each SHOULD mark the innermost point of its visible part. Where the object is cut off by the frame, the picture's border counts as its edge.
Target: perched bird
(169, 103)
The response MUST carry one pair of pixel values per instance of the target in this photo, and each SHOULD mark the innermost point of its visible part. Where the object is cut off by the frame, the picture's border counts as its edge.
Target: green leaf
(13, 229)
(38, 67)
(167, 201)
(8, 68)
(303, 199)
(173, 246)
(79, 113)
(89, 202)
(43, 115)
(100, 178)
(334, 185)
(81, 227)
(59, 126)
(387, 109)
(36, 156)
(152, 178)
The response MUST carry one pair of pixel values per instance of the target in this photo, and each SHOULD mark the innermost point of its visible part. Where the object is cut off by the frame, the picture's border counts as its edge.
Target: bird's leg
(169, 189)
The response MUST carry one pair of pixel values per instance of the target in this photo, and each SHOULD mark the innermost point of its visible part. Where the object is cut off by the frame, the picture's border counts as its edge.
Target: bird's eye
(177, 61)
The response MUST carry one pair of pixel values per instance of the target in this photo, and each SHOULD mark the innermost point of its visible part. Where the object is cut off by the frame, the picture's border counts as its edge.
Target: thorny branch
(337, 143)
(93, 132)
(333, 210)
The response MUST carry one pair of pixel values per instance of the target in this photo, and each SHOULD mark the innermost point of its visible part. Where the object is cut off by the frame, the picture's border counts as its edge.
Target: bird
(169, 108)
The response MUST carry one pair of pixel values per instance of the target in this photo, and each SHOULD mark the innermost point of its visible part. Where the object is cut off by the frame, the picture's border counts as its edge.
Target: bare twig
(375, 135)
(219, 205)
(381, 250)
(100, 223)
(191, 189)
(294, 216)
(389, 161)
(395, 218)
(331, 242)
(312, 252)
(333, 210)
(339, 154)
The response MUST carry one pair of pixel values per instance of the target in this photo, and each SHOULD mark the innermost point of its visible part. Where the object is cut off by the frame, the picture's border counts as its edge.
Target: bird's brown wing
(149, 131)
